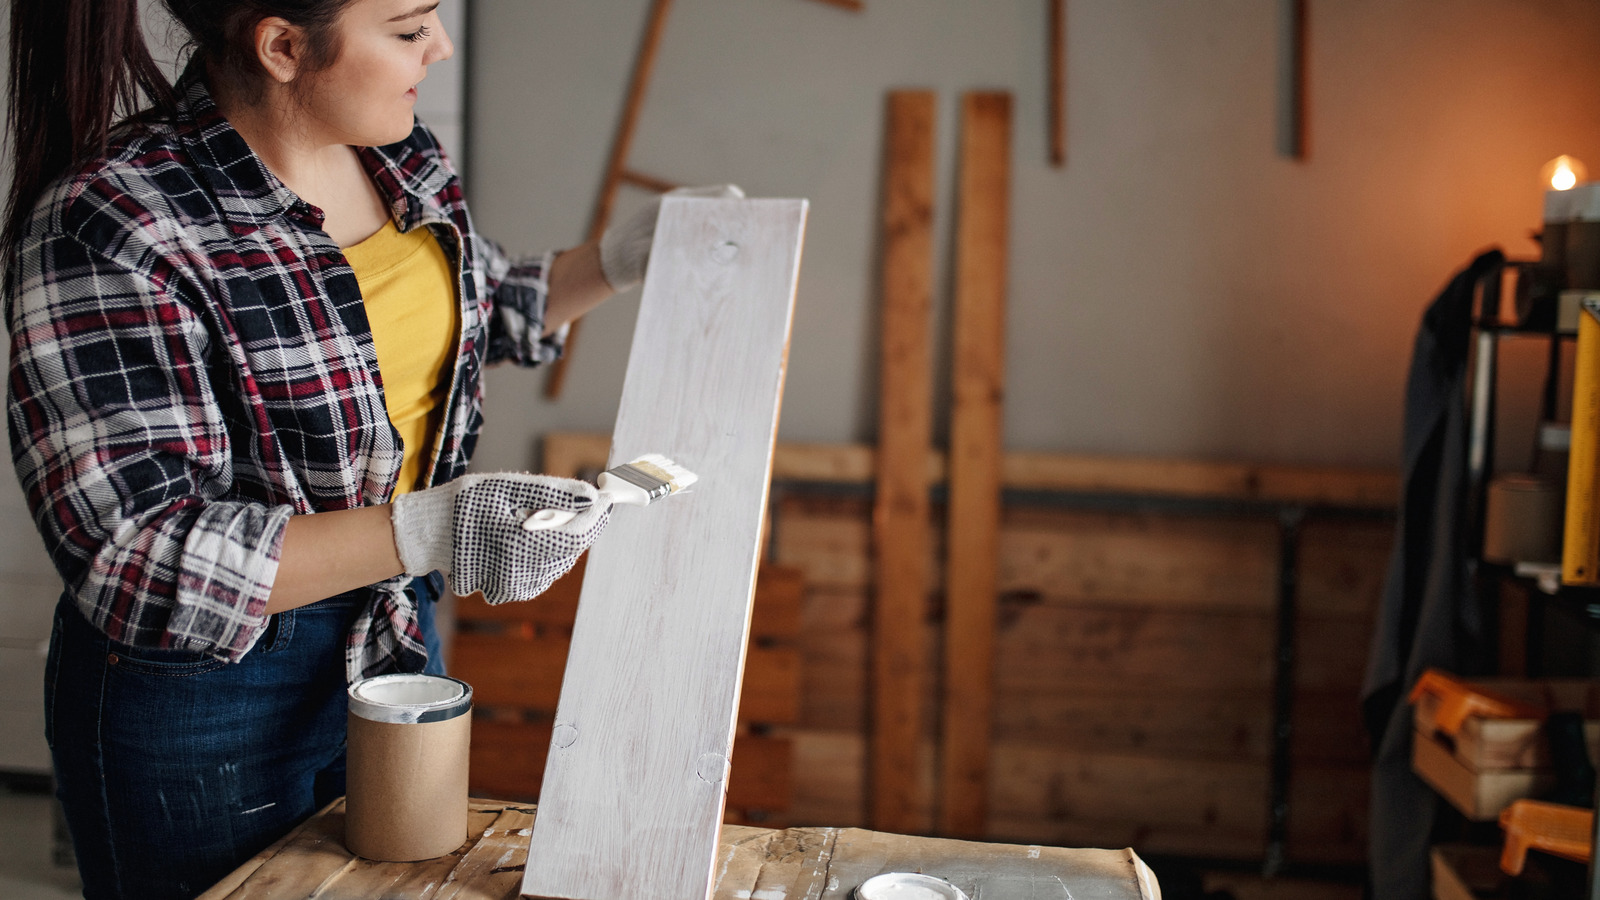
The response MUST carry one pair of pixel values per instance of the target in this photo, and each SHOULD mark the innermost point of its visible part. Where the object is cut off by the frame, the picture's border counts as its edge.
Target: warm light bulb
(1563, 173)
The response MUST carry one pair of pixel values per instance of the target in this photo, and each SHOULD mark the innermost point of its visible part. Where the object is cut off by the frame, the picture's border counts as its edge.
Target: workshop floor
(26, 869)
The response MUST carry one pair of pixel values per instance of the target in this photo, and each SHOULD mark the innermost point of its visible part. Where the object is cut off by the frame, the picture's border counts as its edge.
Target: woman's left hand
(625, 247)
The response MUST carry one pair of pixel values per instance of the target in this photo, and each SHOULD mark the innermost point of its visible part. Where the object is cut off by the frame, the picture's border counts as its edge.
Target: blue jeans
(173, 768)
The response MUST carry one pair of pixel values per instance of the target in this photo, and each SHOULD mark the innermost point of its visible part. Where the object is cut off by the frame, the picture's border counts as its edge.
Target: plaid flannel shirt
(191, 365)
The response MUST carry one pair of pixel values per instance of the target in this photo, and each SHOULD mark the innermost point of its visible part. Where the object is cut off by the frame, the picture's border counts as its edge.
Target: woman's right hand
(471, 529)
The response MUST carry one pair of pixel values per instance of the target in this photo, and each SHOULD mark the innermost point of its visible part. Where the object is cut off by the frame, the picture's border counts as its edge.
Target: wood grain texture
(635, 782)
(567, 453)
(1138, 634)
(1315, 485)
(617, 163)
(972, 545)
(1120, 559)
(1156, 804)
(905, 423)
(311, 864)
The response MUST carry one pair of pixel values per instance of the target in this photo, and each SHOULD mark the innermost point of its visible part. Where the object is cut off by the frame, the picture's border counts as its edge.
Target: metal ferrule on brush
(639, 483)
(653, 487)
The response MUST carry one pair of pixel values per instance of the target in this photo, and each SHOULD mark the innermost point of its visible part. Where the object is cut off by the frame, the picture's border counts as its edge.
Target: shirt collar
(250, 195)
(412, 181)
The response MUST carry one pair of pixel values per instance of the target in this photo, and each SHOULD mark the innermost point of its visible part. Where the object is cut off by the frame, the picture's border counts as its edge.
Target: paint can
(406, 781)
(907, 886)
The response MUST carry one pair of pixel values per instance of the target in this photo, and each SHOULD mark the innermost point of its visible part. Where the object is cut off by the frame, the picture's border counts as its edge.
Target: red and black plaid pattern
(191, 364)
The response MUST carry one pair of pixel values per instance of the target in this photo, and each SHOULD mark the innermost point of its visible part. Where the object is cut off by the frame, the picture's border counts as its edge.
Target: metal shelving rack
(1490, 329)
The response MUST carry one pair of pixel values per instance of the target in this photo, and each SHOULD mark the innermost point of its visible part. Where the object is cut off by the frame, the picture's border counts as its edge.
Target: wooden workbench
(812, 863)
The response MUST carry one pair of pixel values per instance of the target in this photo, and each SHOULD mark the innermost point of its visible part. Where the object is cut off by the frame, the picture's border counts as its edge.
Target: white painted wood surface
(633, 789)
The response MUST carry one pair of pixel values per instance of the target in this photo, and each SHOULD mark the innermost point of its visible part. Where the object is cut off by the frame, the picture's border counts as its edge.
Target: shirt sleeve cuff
(230, 563)
(520, 302)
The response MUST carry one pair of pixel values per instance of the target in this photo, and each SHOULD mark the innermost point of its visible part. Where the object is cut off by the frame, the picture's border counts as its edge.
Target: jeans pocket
(280, 630)
(163, 663)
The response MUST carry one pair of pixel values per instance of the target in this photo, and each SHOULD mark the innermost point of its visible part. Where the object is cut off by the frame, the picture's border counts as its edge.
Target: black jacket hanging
(1429, 614)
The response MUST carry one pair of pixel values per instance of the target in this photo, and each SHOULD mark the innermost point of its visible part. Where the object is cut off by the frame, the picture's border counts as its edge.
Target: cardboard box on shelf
(1512, 743)
(1480, 794)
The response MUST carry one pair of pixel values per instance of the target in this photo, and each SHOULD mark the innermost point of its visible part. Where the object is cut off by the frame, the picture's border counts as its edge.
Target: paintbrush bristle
(645, 480)
(657, 466)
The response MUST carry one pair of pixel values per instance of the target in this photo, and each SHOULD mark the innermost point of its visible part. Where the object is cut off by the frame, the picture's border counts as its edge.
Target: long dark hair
(79, 67)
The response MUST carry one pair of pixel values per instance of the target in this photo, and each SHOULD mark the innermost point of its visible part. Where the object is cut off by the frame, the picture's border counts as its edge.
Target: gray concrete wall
(1177, 290)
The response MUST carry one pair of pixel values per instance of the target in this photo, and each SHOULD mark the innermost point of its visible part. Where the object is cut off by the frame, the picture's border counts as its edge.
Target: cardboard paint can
(406, 767)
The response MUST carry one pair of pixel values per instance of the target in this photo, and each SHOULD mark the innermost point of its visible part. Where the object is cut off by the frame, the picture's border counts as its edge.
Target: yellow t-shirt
(410, 295)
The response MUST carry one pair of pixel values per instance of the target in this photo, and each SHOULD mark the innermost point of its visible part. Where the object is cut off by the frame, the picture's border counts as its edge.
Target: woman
(248, 330)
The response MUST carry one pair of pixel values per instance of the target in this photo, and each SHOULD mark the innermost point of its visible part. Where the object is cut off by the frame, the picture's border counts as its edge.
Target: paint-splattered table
(811, 863)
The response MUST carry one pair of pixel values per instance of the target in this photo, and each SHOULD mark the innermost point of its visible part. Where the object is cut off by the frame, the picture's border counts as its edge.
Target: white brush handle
(542, 519)
(613, 490)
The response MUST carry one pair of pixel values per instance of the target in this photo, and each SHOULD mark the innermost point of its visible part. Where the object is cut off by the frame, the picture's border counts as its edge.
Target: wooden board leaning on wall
(1133, 677)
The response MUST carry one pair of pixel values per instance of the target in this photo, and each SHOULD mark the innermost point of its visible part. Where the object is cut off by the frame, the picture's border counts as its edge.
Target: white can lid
(410, 698)
(907, 886)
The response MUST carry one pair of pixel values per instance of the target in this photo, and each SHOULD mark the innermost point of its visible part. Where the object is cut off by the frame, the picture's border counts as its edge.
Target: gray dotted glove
(471, 529)
(625, 247)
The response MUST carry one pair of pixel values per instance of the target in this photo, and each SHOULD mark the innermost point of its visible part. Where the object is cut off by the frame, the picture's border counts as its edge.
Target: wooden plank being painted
(905, 422)
(973, 538)
(514, 655)
(636, 777)
(511, 755)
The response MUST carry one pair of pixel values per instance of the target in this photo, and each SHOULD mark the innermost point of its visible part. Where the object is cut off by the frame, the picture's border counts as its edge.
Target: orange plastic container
(1458, 700)
(1566, 831)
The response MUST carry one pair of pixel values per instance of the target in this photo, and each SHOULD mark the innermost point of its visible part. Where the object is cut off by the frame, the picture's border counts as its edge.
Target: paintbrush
(638, 483)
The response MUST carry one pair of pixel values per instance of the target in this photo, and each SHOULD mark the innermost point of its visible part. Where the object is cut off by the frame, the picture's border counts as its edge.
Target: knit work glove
(471, 530)
(625, 247)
